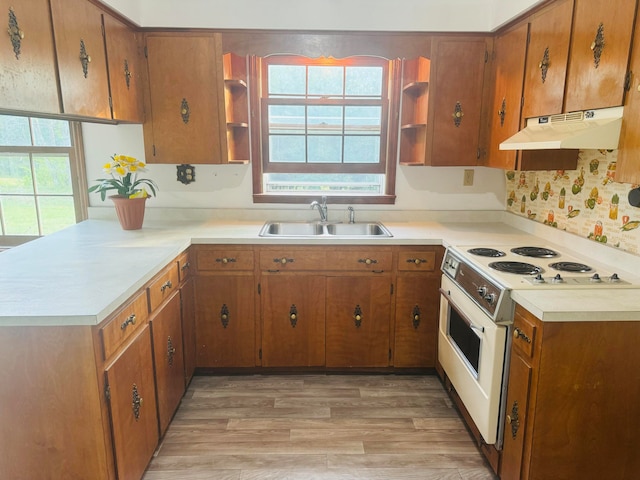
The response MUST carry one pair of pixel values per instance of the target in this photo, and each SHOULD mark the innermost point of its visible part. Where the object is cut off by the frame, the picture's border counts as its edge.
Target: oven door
(471, 350)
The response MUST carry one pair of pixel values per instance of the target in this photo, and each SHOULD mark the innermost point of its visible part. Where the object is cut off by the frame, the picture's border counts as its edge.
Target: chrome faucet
(352, 215)
(322, 208)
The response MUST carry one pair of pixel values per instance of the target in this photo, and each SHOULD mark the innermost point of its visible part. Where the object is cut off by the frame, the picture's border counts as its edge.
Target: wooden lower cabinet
(166, 331)
(293, 320)
(358, 320)
(132, 407)
(225, 320)
(188, 307)
(572, 400)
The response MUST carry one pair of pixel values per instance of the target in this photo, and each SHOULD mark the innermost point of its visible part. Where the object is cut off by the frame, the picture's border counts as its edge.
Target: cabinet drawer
(163, 286)
(524, 334)
(417, 261)
(292, 259)
(123, 325)
(224, 258)
(184, 266)
(362, 259)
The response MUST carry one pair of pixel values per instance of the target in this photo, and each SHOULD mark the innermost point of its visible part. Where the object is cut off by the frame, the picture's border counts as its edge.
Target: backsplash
(585, 201)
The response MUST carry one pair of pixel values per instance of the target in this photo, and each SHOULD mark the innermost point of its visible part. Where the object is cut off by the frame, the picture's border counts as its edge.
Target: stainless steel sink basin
(358, 229)
(319, 229)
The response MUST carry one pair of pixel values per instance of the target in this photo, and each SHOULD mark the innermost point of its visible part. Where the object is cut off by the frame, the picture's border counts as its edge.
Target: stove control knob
(595, 278)
(538, 278)
(614, 278)
(490, 298)
(557, 279)
(483, 290)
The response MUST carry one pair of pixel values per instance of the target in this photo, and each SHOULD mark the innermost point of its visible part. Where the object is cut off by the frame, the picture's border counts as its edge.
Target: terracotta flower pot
(130, 211)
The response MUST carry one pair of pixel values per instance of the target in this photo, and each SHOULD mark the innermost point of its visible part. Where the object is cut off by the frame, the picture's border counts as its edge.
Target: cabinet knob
(184, 111)
(417, 261)
(225, 260)
(283, 260)
(293, 315)
(136, 401)
(224, 315)
(131, 320)
(357, 316)
(166, 285)
(416, 317)
(517, 333)
(368, 261)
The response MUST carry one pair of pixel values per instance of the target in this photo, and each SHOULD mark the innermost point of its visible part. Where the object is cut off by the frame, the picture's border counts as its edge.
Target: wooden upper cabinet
(455, 104)
(27, 58)
(413, 114)
(125, 68)
(510, 51)
(600, 43)
(183, 124)
(628, 164)
(547, 56)
(82, 63)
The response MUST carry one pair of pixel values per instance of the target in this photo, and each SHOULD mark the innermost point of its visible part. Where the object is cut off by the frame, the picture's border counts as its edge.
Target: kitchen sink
(320, 229)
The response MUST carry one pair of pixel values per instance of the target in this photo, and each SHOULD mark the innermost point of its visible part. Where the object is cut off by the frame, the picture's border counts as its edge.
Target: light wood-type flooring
(317, 427)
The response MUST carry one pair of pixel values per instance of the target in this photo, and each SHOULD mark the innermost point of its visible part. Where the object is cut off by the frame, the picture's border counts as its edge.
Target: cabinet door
(509, 56)
(187, 301)
(132, 406)
(628, 164)
(166, 330)
(357, 321)
(27, 58)
(225, 321)
(600, 43)
(517, 403)
(293, 320)
(455, 101)
(82, 64)
(416, 320)
(184, 121)
(125, 63)
(547, 56)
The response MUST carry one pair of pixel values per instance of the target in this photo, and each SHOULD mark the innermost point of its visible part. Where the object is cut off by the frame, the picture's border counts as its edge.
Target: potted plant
(131, 191)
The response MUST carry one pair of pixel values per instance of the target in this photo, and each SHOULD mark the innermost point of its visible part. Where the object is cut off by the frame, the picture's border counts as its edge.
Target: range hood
(590, 129)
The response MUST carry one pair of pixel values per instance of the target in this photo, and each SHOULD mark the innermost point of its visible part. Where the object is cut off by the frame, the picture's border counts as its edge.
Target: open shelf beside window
(236, 108)
(415, 100)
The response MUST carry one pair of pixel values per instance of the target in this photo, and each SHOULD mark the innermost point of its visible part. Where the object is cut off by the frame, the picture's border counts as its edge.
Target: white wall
(374, 15)
(229, 186)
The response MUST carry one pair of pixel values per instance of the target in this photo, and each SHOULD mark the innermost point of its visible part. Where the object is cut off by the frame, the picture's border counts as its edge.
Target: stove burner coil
(537, 252)
(521, 268)
(570, 267)
(486, 252)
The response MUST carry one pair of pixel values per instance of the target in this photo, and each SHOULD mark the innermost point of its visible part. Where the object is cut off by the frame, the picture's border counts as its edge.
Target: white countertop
(82, 274)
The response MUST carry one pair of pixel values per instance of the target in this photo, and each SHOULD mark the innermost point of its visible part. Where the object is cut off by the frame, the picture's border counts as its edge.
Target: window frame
(388, 136)
(77, 172)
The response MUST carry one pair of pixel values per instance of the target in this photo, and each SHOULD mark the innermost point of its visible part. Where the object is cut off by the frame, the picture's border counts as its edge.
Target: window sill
(335, 199)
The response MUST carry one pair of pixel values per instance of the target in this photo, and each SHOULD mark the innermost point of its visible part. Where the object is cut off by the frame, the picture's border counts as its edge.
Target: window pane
(14, 131)
(325, 120)
(361, 149)
(325, 149)
(19, 215)
(287, 79)
(50, 133)
(286, 119)
(286, 148)
(56, 213)
(363, 120)
(15, 174)
(53, 175)
(364, 81)
(326, 80)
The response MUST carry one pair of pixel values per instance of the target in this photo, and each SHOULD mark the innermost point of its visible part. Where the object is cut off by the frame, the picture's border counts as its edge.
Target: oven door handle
(447, 295)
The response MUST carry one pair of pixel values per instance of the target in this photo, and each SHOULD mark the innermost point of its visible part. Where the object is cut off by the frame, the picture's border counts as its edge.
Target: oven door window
(466, 339)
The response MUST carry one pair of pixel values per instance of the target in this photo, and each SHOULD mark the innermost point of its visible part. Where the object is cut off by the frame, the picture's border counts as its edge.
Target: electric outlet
(468, 178)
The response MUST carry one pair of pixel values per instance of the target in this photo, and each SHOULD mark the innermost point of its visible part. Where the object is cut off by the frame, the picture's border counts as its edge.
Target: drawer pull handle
(224, 315)
(517, 333)
(185, 266)
(225, 260)
(416, 317)
(166, 285)
(131, 320)
(136, 402)
(417, 261)
(357, 316)
(367, 261)
(283, 260)
(171, 350)
(293, 316)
